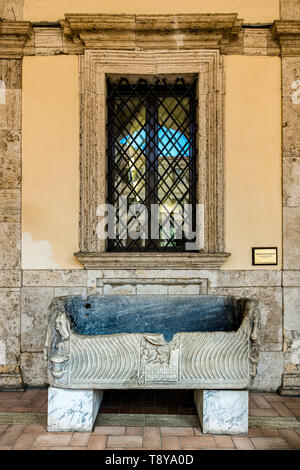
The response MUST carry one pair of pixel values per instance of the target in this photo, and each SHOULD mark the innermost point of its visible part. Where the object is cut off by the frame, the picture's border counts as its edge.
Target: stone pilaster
(13, 35)
(288, 33)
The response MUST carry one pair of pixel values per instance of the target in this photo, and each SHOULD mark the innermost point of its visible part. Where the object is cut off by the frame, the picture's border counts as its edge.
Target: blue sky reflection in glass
(171, 143)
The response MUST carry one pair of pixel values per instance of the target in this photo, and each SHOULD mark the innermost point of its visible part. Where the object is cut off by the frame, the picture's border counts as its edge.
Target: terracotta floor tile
(4, 408)
(224, 441)
(68, 448)
(170, 443)
(25, 441)
(291, 437)
(282, 410)
(10, 436)
(263, 412)
(252, 403)
(3, 427)
(22, 409)
(177, 431)
(198, 431)
(31, 392)
(11, 395)
(270, 397)
(265, 443)
(52, 440)
(41, 448)
(197, 442)
(112, 430)
(243, 443)
(80, 439)
(253, 432)
(292, 405)
(152, 437)
(14, 402)
(134, 430)
(269, 432)
(260, 401)
(35, 429)
(124, 441)
(5, 447)
(97, 442)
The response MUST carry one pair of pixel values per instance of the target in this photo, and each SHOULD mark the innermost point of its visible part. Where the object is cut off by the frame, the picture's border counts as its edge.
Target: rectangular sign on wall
(264, 256)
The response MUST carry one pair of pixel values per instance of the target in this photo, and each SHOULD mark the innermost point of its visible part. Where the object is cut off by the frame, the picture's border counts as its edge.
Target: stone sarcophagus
(196, 342)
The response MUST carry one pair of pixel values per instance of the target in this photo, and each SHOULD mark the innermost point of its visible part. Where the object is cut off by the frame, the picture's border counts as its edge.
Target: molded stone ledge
(98, 31)
(11, 381)
(54, 278)
(13, 35)
(290, 384)
(288, 34)
(151, 260)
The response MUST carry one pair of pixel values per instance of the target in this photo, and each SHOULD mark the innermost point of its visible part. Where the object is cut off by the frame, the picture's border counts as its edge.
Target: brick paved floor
(32, 436)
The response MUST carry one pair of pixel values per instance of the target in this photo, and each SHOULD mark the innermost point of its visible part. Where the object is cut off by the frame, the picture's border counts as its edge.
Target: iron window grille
(151, 152)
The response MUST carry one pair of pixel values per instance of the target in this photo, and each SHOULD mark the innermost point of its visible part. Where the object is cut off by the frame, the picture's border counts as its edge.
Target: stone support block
(222, 411)
(72, 410)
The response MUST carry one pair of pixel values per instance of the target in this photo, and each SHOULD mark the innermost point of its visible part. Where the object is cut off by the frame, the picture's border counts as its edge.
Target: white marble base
(72, 410)
(222, 411)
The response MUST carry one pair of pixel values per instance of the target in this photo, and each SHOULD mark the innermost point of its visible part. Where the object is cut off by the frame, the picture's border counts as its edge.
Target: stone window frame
(95, 65)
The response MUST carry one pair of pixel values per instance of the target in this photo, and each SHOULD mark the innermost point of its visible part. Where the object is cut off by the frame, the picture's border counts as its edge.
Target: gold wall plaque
(264, 256)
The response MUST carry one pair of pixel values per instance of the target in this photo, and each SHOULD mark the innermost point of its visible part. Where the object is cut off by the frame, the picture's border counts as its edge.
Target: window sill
(151, 260)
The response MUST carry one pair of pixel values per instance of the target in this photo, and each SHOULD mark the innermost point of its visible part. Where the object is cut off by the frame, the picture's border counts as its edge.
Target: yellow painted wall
(253, 157)
(50, 166)
(250, 10)
(51, 159)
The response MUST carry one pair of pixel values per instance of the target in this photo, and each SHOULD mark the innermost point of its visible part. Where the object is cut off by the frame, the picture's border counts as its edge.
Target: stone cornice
(288, 35)
(88, 31)
(13, 35)
(152, 260)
